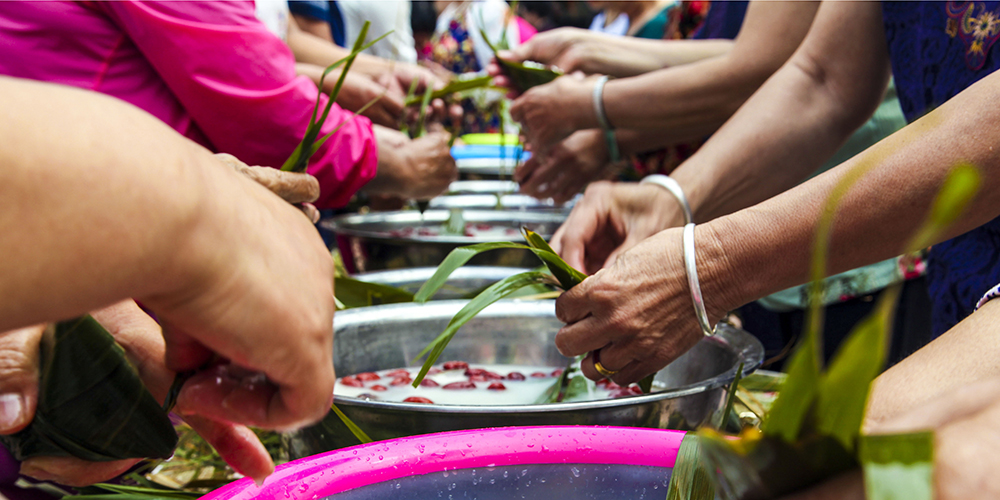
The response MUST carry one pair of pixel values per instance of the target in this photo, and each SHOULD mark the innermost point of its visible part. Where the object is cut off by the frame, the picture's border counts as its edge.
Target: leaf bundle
(311, 142)
(524, 75)
(91, 402)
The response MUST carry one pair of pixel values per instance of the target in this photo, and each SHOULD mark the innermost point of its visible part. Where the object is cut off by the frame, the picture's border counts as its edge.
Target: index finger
(573, 236)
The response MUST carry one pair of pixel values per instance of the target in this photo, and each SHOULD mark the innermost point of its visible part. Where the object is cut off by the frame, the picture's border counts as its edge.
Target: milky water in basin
(535, 481)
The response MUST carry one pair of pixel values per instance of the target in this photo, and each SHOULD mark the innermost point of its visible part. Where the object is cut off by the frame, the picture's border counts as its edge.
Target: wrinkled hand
(568, 167)
(559, 47)
(358, 90)
(610, 219)
(142, 341)
(262, 303)
(637, 312)
(417, 169)
(295, 188)
(550, 113)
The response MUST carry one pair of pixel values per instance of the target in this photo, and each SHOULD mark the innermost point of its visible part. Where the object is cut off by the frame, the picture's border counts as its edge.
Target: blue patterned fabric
(939, 49)
(723, 20)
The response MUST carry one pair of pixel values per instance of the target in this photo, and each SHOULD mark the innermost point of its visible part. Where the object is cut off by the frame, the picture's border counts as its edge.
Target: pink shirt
(210, 70)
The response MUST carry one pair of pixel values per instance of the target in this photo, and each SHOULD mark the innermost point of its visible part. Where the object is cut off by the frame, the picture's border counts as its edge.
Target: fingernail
(11, 411)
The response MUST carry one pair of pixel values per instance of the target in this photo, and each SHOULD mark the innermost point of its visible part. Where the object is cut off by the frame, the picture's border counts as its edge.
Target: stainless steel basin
(366, 241)
(510, 332)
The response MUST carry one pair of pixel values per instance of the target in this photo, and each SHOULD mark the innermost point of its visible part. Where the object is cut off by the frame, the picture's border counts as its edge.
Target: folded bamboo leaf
(356, 293)
(690, 479)
(898, 466)
(358, 433)
(567, 276)
(524, 75)
(91, 402)
(492, 294)
(299, 159)
(646, 384)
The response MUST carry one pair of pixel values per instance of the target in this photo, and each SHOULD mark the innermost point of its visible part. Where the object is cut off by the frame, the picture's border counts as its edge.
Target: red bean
(539, 375)
(398, 373)
(428, 383)
(497, 386)
(478, 378)
(494, 376)
(367, 376)
(474, 371)
(459, 385)
(352, 381)
(515, 376)
(401, 381)
(456, 365)
(379, 387)
(418, 399)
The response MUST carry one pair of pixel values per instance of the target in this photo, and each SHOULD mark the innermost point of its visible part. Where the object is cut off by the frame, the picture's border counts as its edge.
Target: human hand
(637, 312)
(610, 219)
(549, 113)
(262, 304)
(296, 188)
(417, 169)
(140, 337)
(567, 168)
(358, 90)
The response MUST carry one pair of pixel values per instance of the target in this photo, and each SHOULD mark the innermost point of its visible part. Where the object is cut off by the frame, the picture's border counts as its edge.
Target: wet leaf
(690, 479)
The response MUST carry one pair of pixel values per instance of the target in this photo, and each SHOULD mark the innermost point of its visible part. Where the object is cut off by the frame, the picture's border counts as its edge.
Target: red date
(515, 376)
(367, 376)
(418, 399)
(434, 371)
(557, 373)
(428, 383)
(539, 375)
(456, 365)
(497, 386)
(379, 387)
(398, 373)
(401, 381)
(477, 378)
(459, 385)
(352, 381)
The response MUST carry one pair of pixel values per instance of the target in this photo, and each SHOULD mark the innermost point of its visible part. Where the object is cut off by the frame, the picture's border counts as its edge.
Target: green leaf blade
(358, 433)
(456, 259)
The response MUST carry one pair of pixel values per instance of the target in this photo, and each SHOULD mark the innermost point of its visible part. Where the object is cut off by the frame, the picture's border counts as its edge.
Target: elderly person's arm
(680, 103)
(639, 309)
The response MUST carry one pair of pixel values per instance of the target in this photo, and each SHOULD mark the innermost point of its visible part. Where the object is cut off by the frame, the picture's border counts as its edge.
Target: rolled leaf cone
(91, 403)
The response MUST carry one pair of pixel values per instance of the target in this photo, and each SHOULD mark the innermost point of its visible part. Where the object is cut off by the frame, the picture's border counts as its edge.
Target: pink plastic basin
(623, 459)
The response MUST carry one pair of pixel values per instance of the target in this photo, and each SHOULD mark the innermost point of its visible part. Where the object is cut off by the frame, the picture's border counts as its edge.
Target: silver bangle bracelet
(668, 183)
(602, 118)
(687, 241)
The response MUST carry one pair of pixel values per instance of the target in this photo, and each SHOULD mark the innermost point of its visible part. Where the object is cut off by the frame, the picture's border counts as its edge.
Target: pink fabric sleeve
(238, 82)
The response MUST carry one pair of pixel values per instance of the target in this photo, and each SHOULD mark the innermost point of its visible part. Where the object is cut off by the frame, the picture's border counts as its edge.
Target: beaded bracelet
(687, 241)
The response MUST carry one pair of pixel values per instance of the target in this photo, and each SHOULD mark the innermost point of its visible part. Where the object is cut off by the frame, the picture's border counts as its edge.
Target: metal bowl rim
(344, 224)
(752, 356)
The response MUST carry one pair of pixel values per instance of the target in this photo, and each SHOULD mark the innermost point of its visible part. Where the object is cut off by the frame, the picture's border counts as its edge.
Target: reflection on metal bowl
(486, 168)
(510, 332)
(493, 202)
(483, 187)
(464, 283)
(375, 241)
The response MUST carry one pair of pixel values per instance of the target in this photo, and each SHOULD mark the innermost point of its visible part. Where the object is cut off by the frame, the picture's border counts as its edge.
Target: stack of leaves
(813, 431)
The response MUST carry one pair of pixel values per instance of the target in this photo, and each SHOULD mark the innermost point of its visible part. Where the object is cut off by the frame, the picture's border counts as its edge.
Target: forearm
(91, 220)
(768, 247)
(311, 49)
(622, 57)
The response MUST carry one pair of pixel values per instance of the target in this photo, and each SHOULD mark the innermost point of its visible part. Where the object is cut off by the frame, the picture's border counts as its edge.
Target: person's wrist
(721, 289)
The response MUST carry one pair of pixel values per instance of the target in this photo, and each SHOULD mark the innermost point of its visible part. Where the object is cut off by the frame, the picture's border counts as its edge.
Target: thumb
(18, 377)
(630, 241)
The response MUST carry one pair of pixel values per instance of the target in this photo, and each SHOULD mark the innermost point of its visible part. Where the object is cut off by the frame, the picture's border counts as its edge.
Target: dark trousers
(777, 330)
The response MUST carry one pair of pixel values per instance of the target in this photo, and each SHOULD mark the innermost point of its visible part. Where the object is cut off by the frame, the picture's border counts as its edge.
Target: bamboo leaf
(524, 75)
(797, 393)
(898, 466)
(299, 159)
(844, 388)
(456, 259)
(318, 144)
(358, 433)
(731, 397)
(690, 479)
(646, 384)
(567, 276)
(455, 86)
(356, 293)
(492, 294)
